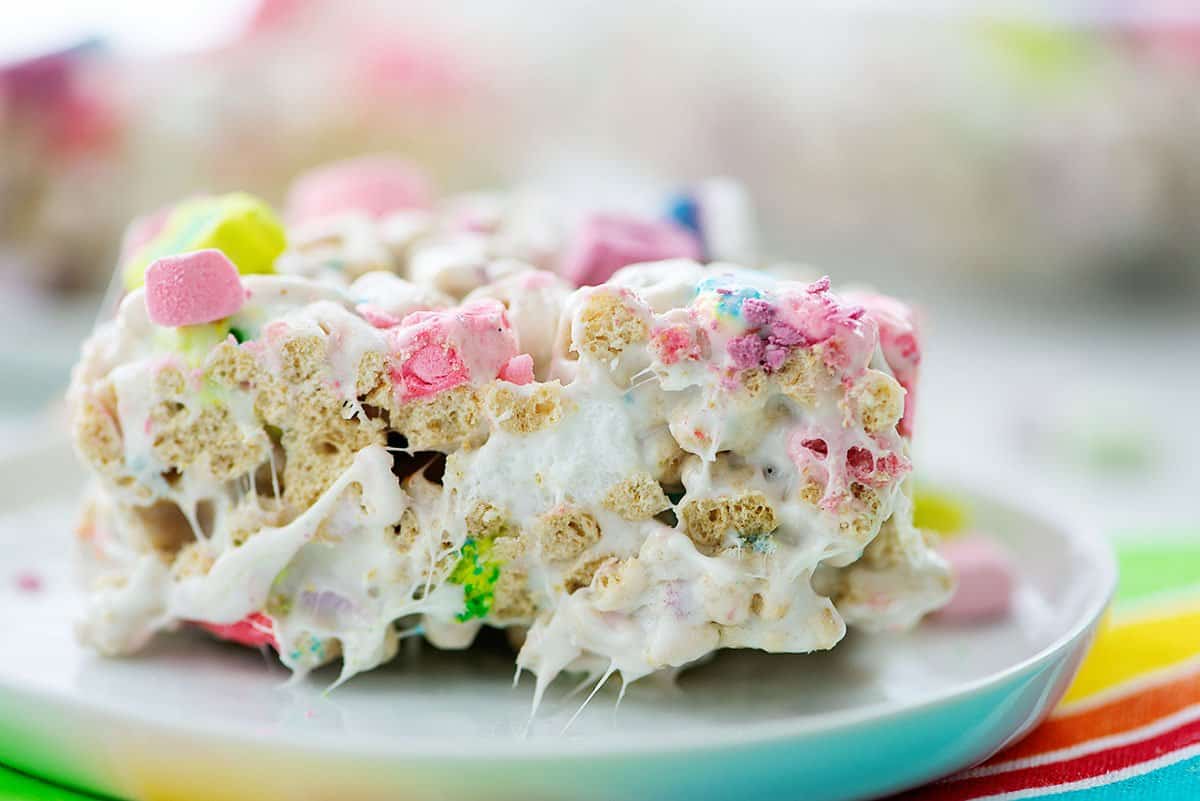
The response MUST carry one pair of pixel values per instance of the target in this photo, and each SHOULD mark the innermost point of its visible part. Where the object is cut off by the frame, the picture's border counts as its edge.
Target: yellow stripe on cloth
(1127, 649)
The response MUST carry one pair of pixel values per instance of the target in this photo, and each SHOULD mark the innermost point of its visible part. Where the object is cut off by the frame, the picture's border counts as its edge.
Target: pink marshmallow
(28, 581)
(376, 316)
(679, 341)
(432, 368)
(816, 315)
(900, 341)
(605, 243)
(518, 370)
(254, 630)
(433, 351)
(374, 185)
(986, 580)
(193, 288)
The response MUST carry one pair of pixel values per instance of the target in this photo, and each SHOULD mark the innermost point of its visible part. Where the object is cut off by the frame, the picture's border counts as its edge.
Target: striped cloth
(1129, 727)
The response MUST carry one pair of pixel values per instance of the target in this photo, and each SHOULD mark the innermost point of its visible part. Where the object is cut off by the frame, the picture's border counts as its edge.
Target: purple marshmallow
(746, 350)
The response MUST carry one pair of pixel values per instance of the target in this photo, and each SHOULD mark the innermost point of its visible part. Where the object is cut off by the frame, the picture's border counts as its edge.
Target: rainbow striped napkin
(1129, 727)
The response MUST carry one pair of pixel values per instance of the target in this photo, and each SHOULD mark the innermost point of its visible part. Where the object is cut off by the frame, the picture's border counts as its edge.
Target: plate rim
(1100, 568)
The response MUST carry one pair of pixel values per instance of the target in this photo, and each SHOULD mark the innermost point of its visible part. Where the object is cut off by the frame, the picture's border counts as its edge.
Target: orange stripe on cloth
(1128, 649)
(1122, 714)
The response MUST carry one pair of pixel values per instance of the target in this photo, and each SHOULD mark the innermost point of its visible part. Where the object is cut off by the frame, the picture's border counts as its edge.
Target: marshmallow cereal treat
(383, 414)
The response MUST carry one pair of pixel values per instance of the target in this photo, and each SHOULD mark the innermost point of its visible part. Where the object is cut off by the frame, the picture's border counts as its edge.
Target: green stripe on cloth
(1154, 565)
(20, 787)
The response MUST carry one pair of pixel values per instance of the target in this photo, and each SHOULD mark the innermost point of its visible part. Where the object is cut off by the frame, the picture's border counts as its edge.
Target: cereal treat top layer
(633, 474)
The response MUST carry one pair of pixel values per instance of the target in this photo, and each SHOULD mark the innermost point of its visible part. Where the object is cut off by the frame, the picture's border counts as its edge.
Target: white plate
(193, 718)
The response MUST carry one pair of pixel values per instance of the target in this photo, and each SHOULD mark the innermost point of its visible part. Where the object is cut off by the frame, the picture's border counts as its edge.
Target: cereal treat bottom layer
(628, 476)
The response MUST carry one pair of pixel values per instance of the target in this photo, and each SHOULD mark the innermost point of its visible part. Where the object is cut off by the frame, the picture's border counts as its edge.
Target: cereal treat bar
(629, 475)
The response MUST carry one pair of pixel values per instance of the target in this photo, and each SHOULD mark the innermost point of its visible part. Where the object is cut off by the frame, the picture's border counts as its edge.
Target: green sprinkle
(238, 334)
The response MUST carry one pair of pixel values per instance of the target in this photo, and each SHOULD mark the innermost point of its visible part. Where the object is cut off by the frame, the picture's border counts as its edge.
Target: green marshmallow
(240, 225)
(940, 512)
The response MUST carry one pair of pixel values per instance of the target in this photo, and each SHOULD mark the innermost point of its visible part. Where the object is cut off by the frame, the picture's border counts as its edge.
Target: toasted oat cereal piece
(169, 382)
(372, 369)
(523, 412)
(608, 323)
(485, 520)
(898, 579)
(802, 375)
(618, 582)
(754, 382)
(565, 533)
(706, 521)
(298, 396)
(191, 561)
(302, 358)
(95, 429)
(665, 458)
(181, 437)
(408, 530)
(228, 364)
(447, 421)
(253, 514)
(510, 546)
(811, 493)
(756, 604)
(768, 607)
(373, 386)
(317, 457)
(753, 514)
(638, 497)
(582, 572)
(866, 508)
(512, 602)
(319, 443)
(878, 400)
(163, 527)
(886, 550)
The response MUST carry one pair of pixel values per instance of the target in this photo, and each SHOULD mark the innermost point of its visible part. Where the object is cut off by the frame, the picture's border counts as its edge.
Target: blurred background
(1027, 174)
